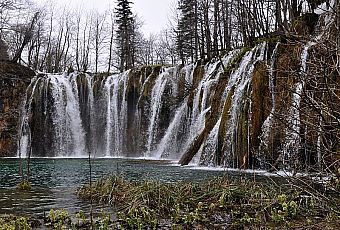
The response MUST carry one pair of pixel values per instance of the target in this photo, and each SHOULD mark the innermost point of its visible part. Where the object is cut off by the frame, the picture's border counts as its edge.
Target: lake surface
(54, 181)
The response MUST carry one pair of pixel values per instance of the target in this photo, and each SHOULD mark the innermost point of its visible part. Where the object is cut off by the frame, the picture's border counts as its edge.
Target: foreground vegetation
(216, 204)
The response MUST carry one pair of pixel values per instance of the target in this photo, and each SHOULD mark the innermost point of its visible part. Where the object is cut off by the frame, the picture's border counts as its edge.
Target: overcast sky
(154, 13)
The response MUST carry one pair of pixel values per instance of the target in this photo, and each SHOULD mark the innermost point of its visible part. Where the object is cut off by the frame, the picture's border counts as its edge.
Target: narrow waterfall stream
(116, 115)
(292, 139)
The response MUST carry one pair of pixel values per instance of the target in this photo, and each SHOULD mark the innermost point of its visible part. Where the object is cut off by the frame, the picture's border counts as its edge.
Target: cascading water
(210, 146)
(202, 100)
(67, 115)
(268, 122)
(292, 136)
(25, 132)
(168, 146)
(156, 104)
(156, 112)
(189, 122)
(241, 79)
(81, 113)
(174, 139)
(63, 119)
(116, 116)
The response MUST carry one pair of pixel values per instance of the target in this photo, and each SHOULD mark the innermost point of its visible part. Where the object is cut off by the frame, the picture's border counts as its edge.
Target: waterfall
(115, 88)
(25, 132)
(156, 104)
(63, 119)
(240, 79)
(268, 122)
(202, 92)
(201, 102)
(210, 147)
(164, 112)
(170, 146)
(66, 119)
(292, 136)
(90, 115)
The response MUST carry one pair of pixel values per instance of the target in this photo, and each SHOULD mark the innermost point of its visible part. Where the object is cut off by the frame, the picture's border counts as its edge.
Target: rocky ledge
(14, 79)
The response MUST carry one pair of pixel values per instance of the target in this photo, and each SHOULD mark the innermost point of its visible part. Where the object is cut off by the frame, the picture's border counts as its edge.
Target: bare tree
(27, 36)
(99, 35)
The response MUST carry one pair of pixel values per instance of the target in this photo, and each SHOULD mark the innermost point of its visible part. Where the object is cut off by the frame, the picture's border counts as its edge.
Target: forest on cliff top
(49, 39)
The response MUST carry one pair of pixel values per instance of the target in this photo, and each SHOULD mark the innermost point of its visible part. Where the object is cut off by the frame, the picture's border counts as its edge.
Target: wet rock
(14, 80)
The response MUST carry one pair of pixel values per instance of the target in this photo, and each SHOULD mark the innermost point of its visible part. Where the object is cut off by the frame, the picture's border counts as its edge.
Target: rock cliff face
(14, 80)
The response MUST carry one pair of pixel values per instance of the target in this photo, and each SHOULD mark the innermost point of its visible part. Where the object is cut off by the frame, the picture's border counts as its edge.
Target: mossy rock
(236, 60)
(14, 80)
(197, 77)
(8, 68)
(261, 102)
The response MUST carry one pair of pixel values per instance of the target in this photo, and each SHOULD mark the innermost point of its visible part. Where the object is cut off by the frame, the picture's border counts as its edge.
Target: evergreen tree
(187, 30)
(125, 35)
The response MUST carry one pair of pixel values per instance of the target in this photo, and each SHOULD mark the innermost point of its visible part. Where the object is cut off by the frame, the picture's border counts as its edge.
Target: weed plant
(212, 204)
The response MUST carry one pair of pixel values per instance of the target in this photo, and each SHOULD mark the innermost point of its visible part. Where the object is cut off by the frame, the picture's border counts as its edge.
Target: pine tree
(187, 30)
(125, 35)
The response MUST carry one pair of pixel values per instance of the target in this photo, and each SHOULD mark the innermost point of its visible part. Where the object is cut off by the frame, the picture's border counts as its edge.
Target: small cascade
(201, 102)
(156, 105)
(69, 132)
(109, 122)
(268, 122)
(52, 123)
(233, 78)
(25, 130)
(210, 146)
(241, 80)
(90, 113)
(115, 87)
(169, 147)
(292, 136)
(202, 98)
(175, 137)
(189, 73)
(202, 93)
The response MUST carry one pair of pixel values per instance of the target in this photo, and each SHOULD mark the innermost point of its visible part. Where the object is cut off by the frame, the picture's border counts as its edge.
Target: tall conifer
(125, 35)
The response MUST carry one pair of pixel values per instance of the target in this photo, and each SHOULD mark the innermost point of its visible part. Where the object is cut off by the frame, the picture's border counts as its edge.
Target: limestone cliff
(14, 80)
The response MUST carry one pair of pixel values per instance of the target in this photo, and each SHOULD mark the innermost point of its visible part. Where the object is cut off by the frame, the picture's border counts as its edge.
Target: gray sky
(154, 13)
